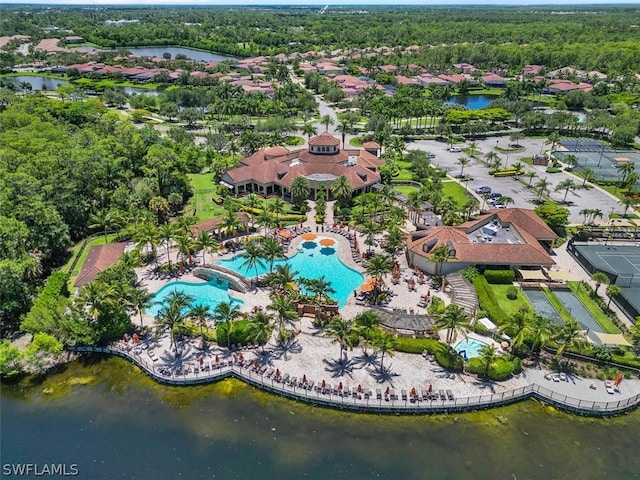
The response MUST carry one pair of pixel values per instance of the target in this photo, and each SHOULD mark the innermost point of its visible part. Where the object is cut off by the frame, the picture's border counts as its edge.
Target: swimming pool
(469, 348)
(312, 261)
(211, 293)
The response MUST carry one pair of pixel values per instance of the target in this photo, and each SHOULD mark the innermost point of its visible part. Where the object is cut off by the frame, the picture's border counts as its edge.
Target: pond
(113, 422)
(193, 54)
(41, 82)
(472, 102)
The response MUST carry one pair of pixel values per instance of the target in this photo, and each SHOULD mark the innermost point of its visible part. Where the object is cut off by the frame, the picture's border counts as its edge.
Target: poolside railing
(365, 403)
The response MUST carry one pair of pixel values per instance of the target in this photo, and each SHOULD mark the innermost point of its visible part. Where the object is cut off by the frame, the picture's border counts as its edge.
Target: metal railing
(365, 402)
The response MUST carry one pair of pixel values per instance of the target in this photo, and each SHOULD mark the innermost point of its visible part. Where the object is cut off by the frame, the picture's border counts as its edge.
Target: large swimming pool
(312, 261)
(210, 293)
(469, 347)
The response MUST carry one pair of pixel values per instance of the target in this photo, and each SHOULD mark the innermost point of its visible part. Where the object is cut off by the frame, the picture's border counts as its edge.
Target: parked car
(483, 189)
(455, 149)
(495, 195)
(431, 155)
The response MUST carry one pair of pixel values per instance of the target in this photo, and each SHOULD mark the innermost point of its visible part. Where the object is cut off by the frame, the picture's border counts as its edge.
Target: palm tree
(105, 220)
(266, 220)
(300, 189)
(186, 246)
(252, 256)
(200, 313)
(542, 187)
(251, 203)
(599, 278)
(146, 234)
(94, 298)
(626, 169)
(259, 329)
(272, 249)
(167, 234)
(439, 256)
(327, 120)
(612, 291)
(377, 267)
(320, 288)
(230, 223)
(285, 309)
(488, 354)
(552, 140)
(385, 344)
(141, 300)
(569, 335)
(491, 157)
(627, 202)
(369, 230)
(531, 176)
(342, 333)
(540, 331)
(366, 324)
(206, 243)
(277, 206)
(454, 319)
(228, 313)
(566, 185)
(173, 316)
(341, 188)
(587, 175)
(281, 279)
(517, 328)
(463, 162)
(309, 129)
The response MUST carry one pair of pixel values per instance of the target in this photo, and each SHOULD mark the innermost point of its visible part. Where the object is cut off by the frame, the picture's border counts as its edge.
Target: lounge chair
(425, 395)
(608, 386)
(442, 394)
(393, 395)
(285, 379)
(450, 395)
(293, 381)
(563, 377)
(378, 394)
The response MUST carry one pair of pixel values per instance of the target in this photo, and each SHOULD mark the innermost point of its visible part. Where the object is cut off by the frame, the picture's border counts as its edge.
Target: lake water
(197, 55)
(44, 83)
(472, 102)
(115, 423)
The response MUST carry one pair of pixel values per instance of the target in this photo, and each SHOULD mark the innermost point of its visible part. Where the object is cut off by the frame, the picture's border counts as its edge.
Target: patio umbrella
(386, 392)
(327, 242)
(430, 388)
(241, 357)
(256, 363)
(277, 372)
(366, 287)
(340, 386)
(285, 233)
(304, 378)
(201, 361)
(136, 339)
(309, 236)
(324, 384)
(413, 392)
(217, 359)
(359, 388)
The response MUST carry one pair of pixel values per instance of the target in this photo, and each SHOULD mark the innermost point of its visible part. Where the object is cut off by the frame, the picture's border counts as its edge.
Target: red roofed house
(272, 170)
(562, 86)
(493, 80)
(512, 237)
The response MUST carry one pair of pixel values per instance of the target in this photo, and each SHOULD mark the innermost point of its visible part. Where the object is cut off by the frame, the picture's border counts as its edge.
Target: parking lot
(523, 197)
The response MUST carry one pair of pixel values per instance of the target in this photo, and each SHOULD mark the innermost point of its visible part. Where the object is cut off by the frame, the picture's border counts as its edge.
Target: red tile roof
(99, 259)
(324, 139)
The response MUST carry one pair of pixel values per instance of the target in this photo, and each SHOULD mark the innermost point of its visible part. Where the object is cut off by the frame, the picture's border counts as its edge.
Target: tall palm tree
(463, 162)
(542, 187)
(366, 323)
(228, 313)
(377, 267)
(566, 185)
(320, 288)
(206, 243)
(230, 223)
(259, 329)
(531, 176)
(569, 335)
(200, 313)
(282, 279)
(517, 327)
(342, 333)
(327, 120)
(454, 319)
(285, 310)
(94, 299)
(540, 332)
(300, 189)
(439, 256)
(612, 291)
(105, 220)
(370, 229)
(627, 202)
(252, 256)
(599, 278)
(277, 206)
(251, 203)
(552, 140)
(167, 234)
(141, 300)
(385, 344)
(272, 250)
(488, 354)
(341, 188)
(186, 246)
(266, 220)
(309, 129)
(173, 316)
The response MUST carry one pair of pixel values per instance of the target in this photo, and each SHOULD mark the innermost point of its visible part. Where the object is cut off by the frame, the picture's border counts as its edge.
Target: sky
(322, 2)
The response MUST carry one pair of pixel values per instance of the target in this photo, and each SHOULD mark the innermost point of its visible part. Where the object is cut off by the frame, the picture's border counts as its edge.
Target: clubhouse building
(510, 237)
(272, 170)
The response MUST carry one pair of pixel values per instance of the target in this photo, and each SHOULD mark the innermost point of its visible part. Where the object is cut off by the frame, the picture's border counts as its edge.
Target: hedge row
(488, 301)
(500, 277)
(238, 333)
(500, 369)
(192, 329)
(444, 354)
(509, 173)
(56, 287)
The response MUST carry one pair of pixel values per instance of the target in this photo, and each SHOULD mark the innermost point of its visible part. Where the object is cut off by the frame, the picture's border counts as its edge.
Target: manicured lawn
(355, 142)
(404, 189)
(205, 207)
(510, 307)
(456, 191)
(592, 307)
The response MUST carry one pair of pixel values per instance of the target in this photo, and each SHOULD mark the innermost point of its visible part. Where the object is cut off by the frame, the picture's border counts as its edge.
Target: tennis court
(583, 145)
(605, 162)
(622, 261)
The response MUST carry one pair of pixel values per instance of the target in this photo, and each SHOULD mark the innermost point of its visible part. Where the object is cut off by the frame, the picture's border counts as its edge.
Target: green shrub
(55, 288)
(512, 293)
(501, 277)
(238, 333)
(192, 329)
(500, 369)
(417, 345)
(470, 273)
(479, 328)
(553, 169)
(509, 173)
(488, 302)
(448, 358)
(436, 306)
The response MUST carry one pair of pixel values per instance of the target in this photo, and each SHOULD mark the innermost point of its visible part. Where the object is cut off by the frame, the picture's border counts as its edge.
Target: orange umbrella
(366, 287)
(285, 233)
(359, 388)
(386, 392)
(324, 384)
(309, 236)
(413, 392)
(217, 359)
(371, 280)
(327, 242)
(277, 372)
(241, 357)
(340, 386)
(304, 378)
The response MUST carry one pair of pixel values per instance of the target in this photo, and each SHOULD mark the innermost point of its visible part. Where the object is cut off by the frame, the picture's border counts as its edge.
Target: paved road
(592, 198)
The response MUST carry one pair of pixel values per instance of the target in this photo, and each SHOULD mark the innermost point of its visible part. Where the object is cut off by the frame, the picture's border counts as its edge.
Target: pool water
(210, 293)
(312, 261)
(469, 348)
